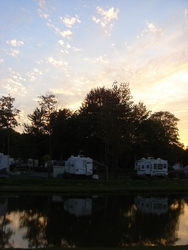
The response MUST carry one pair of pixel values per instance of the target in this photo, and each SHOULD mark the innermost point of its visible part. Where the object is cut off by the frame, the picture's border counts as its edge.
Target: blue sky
(68, 47)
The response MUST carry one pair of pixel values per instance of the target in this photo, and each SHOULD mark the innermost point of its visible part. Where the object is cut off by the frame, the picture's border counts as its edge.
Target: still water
(93, 221)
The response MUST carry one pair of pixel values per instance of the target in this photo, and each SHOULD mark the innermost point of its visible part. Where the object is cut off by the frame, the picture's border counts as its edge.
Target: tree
(36, 119)
(106, 114)
(140, 119)
(41, 118)
(8, 116)
(60, 123)
(48, 106)
(168, 122)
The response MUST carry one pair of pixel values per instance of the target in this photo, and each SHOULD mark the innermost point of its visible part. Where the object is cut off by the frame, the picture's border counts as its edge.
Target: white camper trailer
(79, 165)
(4, 165)
(151, 167)
(186, 170)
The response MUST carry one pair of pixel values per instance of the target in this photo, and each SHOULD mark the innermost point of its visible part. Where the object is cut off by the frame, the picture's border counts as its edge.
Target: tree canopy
(9, 116)
(108, 126)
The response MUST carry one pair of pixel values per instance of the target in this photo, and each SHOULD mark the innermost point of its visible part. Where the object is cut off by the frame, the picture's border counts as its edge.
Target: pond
(32, 221)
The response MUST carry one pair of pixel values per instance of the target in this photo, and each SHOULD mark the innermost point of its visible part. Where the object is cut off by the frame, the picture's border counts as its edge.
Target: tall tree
(48, 107)
(41, 118)
(107, 113)
(169, 123)
(140, 117)
(60, 122)
(8, 116)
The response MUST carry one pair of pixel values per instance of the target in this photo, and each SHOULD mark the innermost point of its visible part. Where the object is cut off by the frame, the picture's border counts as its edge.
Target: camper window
(142, 166)
(147, 166)
(160, 166)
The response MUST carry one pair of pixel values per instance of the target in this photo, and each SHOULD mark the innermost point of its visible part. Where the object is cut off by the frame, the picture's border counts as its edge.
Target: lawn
(123, 184)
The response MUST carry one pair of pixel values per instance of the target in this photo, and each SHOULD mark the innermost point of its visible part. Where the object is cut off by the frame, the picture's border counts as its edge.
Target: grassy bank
(122, 184)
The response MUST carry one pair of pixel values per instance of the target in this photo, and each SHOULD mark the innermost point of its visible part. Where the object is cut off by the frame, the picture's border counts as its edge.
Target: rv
(4, 165)
(151, 167)
(79, 165)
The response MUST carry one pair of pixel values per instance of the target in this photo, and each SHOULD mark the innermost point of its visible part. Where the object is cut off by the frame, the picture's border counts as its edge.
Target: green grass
(122, 184)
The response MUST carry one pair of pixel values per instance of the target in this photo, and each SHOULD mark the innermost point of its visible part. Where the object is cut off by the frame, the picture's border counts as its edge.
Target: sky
(68, 47)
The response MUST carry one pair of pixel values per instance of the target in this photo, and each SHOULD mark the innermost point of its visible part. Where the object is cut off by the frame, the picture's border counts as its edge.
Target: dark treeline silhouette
(109, 127)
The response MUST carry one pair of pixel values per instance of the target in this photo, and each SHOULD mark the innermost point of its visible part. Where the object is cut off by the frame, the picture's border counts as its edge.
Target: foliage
(109, 127)
(8, 113)
(106, 114)
(8, 116)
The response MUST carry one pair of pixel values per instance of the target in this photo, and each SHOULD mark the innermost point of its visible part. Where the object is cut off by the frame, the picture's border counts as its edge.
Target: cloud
(43, 14)
(99, 59)
(61, 42)
(1, 61)
(13, 53)
(58, 64)
(15, 43)
(32, 74)
(153, 29)
(66, 33)
(42, 3)
(15, 87)
(106, 16)
(63, 91)
(109, 14)
(70, 21)
(76, 49)
(38, 71)
(67, 46)
(186, 15)
(57, 30)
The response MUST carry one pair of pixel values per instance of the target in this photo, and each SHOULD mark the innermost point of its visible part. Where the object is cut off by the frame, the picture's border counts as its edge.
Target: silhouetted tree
(8, 116)
(106, 114)
(40, 119)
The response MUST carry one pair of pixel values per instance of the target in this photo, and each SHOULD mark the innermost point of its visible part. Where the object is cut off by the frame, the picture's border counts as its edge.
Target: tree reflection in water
(4, 234)
(101, 221)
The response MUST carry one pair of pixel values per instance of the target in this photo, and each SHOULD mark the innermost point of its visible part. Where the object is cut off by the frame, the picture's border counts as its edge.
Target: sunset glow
(70, 47)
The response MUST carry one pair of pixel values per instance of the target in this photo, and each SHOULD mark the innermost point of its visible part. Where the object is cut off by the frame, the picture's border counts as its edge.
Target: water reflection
(153, 205)
(97, 221)
(78, 207)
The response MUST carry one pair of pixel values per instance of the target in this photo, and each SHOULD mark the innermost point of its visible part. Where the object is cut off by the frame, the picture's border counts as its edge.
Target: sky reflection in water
(47, 221)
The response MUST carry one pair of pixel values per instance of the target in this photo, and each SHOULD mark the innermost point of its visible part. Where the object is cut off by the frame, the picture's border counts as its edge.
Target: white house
(151, 167)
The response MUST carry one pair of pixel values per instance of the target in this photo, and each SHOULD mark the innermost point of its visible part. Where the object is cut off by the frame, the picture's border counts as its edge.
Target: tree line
(109, 127)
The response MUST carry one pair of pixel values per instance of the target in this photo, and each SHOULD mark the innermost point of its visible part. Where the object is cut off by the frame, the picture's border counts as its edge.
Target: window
(160, 166)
